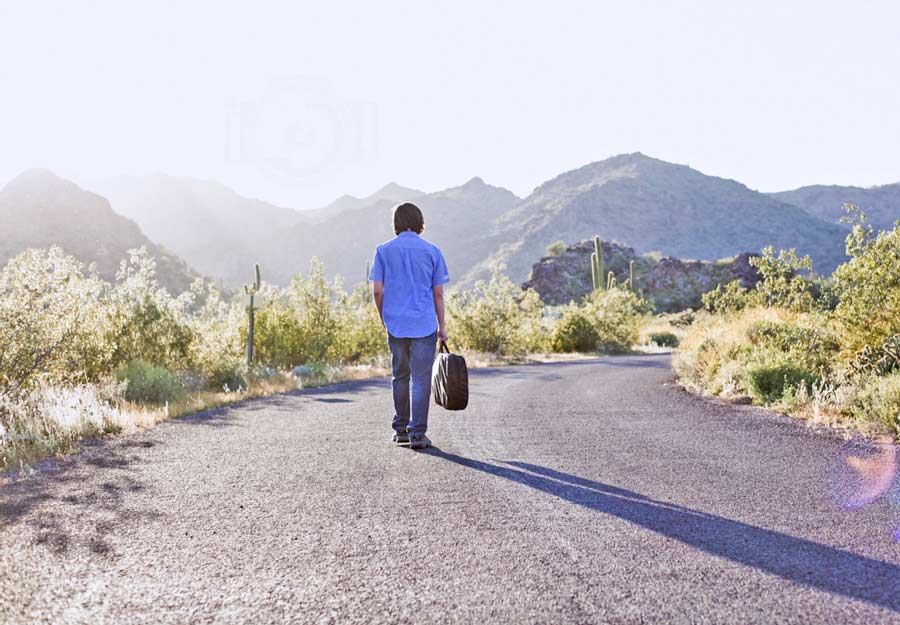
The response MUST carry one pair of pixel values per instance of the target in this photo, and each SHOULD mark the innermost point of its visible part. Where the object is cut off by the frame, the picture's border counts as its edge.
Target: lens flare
(863, 473)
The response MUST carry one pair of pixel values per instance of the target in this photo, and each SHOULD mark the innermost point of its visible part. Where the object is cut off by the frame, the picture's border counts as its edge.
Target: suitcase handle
(444, 349)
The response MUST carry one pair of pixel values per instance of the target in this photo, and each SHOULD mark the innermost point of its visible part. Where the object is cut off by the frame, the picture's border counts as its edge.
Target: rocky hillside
(456, 219)
(653, 205)
(670, 283)
(38, 209)
(881, 204)
(215, 230)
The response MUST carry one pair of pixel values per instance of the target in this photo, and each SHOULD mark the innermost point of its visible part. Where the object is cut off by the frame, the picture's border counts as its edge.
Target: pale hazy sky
(299, 102)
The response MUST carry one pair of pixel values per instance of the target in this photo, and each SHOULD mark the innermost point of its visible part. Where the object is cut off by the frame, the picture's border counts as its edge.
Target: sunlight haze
(299, 103)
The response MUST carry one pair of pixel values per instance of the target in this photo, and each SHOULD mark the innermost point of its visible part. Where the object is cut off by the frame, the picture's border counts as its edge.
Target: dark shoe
(419, 441)
(400, 437)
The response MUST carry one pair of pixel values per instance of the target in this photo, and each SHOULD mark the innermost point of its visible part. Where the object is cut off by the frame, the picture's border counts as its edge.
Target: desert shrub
(361, 336)
(315, 302)
(811, 345)
(575, 332)
(52, 320)
(782, 281)
(302, 323)
(880, 360)
(682, 319)
(876, 399)
(556, 249)
(749, 353)
(664, 339)
(216, 351)
(496, 316)
(768, 382)
(825, 293)
(148, 383)
(869, 287)
(277, 335)
(728, 298)
(145, 321)
(616, 315)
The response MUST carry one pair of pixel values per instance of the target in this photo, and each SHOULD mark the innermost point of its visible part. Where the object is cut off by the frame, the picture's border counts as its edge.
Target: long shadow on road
(795, 559)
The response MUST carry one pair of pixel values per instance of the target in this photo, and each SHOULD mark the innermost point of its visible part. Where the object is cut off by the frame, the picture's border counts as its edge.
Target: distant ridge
(39, 209)
(881, 204)
(391, 192)
(216, 230)
(456, 219)
(652, 205)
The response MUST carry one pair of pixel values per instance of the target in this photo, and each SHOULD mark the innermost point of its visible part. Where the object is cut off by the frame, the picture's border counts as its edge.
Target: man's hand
(442, 335)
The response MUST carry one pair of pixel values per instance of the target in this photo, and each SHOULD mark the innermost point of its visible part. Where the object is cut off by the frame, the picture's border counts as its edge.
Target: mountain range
(391, 192)
(455, 220)
(215, 230)
(39, 209)
(648, 204)
(221, 233)
(652, 205)
(881, 204)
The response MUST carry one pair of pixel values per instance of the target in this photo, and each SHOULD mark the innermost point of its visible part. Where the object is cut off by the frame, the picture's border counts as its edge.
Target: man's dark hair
(407, 216)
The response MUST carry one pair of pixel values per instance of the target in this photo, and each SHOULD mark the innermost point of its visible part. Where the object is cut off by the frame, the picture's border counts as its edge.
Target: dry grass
(51, 421)
(717, 355)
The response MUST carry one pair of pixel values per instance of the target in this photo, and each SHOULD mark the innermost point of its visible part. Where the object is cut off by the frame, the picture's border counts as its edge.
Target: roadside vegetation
(823, 349)
(82, 357)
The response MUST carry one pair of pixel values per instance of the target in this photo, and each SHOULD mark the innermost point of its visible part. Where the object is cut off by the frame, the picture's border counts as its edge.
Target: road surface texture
(580, 492)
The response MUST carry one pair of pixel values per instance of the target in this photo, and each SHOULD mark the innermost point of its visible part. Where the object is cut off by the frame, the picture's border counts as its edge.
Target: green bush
(783, 282)
(768, 382)
(315, 320)
(145, 321)
(664, 339)
(683, 319)
(575, 332)
(616, 315)
(148, 383)
(217, 348)
(814, 347)
(869, 287)
(53, 321)
(496, 316)
(880, 360)
(556, 249)
(727, 299)
(876, 399)
(362, 335)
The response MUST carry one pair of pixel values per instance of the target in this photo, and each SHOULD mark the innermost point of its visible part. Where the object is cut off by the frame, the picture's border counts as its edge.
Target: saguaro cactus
(610, 281)
(251, 290)
(631, 283)
(597, 265)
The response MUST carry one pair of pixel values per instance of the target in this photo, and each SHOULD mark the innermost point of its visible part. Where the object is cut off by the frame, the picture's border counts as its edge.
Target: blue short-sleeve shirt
(409, 266)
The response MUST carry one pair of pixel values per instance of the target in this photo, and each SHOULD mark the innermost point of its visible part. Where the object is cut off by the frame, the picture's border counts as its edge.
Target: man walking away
(408, 274)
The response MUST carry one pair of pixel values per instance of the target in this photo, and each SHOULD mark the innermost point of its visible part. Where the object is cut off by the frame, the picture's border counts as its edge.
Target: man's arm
(439, 309)
(378, 296)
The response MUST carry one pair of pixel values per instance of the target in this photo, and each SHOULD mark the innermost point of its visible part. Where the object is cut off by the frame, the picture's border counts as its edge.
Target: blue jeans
(412, 359)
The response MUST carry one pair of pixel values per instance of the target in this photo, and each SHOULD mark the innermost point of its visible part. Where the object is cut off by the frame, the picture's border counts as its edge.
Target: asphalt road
(588, 492)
